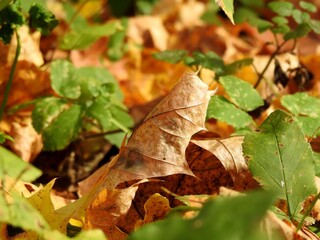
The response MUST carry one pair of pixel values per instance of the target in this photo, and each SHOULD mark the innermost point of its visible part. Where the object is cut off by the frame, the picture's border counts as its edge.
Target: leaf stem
(12, 71)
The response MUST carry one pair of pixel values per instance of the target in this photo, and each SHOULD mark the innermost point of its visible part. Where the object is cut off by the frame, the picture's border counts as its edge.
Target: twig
(273, 55)
(12, 71)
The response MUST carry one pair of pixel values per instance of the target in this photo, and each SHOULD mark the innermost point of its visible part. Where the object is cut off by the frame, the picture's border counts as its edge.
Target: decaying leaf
(157, 147)
(156, 207)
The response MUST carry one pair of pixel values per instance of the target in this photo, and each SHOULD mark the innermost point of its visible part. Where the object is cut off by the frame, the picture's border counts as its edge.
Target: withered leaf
(157, 147)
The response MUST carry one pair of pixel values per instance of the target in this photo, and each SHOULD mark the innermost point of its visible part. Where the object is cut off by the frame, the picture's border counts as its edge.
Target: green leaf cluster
(82, 34)
(209, 60)
(41, 19)
(89, 98)
(243, 98)
(13, 16)
(10, 18)
(285, 11)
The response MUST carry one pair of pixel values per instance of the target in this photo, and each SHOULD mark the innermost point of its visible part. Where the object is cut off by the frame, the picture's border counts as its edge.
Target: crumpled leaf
(281, 159)
(110, 204)
(157, 147)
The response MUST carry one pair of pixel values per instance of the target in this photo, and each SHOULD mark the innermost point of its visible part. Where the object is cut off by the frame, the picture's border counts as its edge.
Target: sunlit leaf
(281, 160)
(281, 8)
(13, 166)
(241, 93)
(63, 79)
(308, 6)
(302, 103)
(221, 109)
(227, 7)
(63, 129)
(45, 111)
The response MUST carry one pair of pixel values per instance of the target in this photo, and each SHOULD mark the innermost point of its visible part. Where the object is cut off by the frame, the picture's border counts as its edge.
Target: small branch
(102, 134)
(273, 55)
(78, 11)
(12, 71)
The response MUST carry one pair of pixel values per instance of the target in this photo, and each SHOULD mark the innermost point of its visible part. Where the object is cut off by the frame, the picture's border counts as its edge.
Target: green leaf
(4, 3)
(300, 17)
(227, 7)
(282, 8)
(317, 163)
(87, 35)
(64, 129)
(64, 80)
(308, 6)
(309, 125)
(262, 25)
(279, 20)
(4, 137)
(302, 30)
(281, 160)
(282, 29)
(171, 56)
(93, 80)
(116, 43)
(302, 104)
(41, 19)
(223, 210)
(45, 111)
(13, 166)
(20, 213)
(315, 26)
(10, 19)
(221, 109)
(145, 7)
(237, 65)
(241, 93)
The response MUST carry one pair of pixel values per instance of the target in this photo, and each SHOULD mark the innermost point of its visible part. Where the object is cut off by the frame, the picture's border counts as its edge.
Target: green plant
(89, 100)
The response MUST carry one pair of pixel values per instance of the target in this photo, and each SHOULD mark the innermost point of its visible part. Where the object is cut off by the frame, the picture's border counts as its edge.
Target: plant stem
(12, 71)
(273, 55)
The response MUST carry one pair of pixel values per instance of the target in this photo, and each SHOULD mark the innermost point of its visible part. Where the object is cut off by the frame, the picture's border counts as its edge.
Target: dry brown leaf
(156, 207)
(27, 142)
(30, 50)
(140, 27)
(106, 209)
(29, 83)
(157, 147)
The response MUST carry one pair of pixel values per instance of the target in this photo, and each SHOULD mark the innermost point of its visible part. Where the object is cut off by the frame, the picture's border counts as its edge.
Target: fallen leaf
(156, 207)
(27, 142)
(30, 50)
(139, 26)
